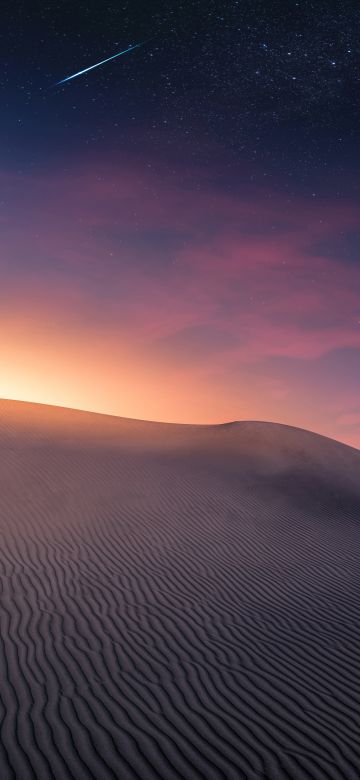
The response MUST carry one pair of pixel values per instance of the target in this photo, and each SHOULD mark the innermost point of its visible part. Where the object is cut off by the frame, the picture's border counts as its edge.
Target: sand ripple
(176, 602)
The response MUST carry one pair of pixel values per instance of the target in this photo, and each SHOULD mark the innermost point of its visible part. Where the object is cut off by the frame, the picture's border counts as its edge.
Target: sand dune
(176, 601)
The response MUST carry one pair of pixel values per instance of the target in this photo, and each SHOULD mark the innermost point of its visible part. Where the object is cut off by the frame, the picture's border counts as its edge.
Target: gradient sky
(179, 229)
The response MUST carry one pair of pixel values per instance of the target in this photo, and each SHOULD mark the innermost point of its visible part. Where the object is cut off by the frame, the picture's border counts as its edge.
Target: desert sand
(176, 601)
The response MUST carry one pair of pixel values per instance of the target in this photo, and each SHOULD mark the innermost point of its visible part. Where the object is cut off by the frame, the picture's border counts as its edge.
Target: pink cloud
(286, 298)
(144, 257)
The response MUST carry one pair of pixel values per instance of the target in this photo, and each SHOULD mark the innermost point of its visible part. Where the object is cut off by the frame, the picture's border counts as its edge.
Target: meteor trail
(80, 72)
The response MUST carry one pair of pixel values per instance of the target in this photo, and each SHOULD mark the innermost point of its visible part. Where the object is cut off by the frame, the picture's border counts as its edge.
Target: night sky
(180, 228)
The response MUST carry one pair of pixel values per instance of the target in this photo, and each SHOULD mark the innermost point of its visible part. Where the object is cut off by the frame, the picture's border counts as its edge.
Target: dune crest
(176, 601)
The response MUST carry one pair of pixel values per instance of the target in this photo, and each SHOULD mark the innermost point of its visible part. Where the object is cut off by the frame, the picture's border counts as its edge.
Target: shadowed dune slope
(176, 601)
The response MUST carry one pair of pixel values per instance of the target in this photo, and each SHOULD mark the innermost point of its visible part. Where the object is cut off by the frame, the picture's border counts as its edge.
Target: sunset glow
(126, 294)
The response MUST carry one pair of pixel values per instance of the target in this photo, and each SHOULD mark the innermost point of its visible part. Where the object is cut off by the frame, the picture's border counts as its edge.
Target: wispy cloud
(200, 281)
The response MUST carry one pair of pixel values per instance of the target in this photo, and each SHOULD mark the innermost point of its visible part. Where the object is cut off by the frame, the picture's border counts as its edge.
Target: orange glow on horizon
(80, 372)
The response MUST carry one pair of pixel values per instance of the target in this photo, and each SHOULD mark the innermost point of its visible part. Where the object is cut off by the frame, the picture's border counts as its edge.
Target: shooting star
(80, 72)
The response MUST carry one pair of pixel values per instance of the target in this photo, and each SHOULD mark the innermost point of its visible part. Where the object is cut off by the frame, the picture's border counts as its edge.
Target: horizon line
(179, 424)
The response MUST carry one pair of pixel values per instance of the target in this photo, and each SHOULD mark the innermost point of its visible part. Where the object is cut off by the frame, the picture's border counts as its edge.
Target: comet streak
(80, 72)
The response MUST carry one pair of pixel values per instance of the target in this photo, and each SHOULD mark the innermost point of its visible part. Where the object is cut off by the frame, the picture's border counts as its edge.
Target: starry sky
(179, 228)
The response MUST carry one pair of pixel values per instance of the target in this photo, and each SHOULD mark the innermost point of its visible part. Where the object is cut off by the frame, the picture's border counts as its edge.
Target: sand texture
(176, 601)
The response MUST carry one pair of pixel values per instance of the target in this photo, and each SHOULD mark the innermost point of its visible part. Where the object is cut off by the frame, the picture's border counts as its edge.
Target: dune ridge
(176, 601)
